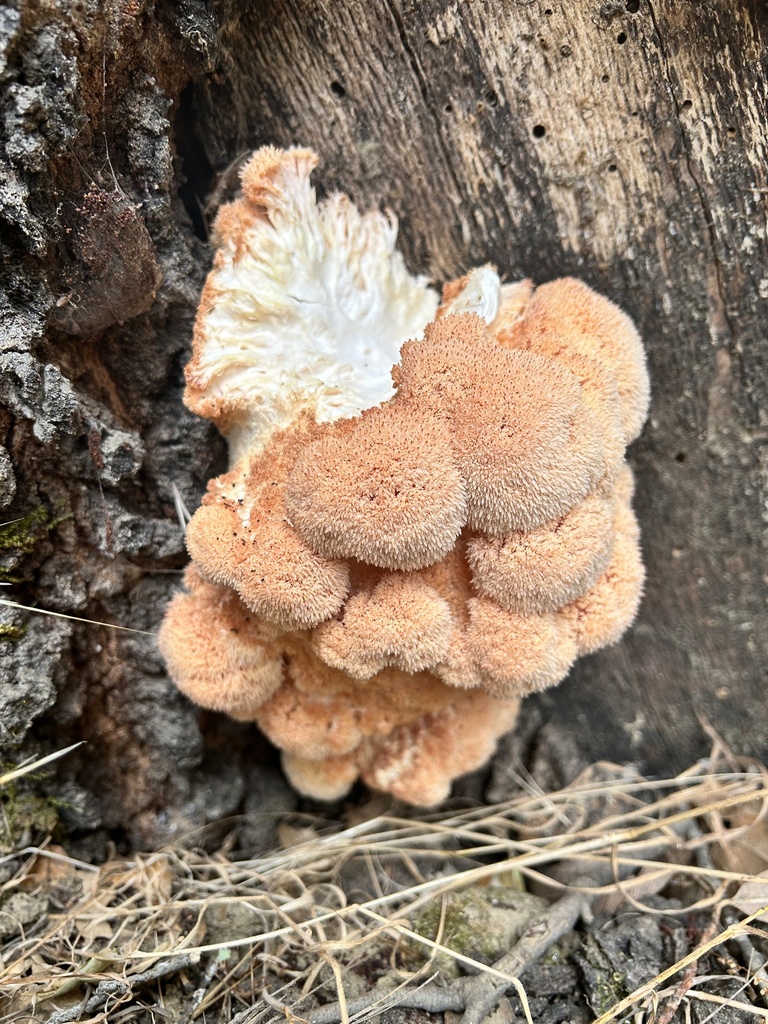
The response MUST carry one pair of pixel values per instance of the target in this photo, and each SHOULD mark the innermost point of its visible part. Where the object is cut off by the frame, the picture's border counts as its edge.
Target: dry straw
(184, 935)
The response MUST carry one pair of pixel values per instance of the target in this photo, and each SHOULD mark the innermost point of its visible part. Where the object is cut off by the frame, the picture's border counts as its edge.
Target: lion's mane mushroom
(428, 513)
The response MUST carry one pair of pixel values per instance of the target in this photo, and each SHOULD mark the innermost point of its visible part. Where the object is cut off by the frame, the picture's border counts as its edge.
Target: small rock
(481, 922)
(18, 912)
(7, 479)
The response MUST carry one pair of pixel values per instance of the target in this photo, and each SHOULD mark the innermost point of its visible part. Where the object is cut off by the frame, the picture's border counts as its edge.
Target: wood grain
(623, 142)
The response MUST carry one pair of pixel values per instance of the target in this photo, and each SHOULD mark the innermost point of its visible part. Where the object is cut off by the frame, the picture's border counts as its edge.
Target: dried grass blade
(695, 954)
(33, 766)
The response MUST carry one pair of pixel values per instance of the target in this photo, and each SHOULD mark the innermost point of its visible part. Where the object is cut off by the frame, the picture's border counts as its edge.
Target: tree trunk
(621, 142)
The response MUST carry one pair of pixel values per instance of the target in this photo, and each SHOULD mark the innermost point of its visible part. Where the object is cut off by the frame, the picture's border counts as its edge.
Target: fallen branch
(435, 999)
(752, 959)
(122, 987)
(482, 992)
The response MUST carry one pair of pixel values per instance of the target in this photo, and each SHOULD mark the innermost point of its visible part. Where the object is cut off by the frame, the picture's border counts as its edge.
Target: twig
(483, 993)
(199, 994)
(435, 999)
(732, 1003)
(690, 975)
(748, 951)
(649, 987)
(122, 986)
(476, 996)
(275, 1004)
(750, 955)
(245, 1016)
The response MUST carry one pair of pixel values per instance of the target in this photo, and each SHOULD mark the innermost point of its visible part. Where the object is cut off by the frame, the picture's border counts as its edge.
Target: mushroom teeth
(527, 444)
(566, 318)
(208, 619)
(528, 453)
(401, 623)
(254, 551)
(518, 654)
(547, 567)
(604, 612)
(428, 513)
(383, 489)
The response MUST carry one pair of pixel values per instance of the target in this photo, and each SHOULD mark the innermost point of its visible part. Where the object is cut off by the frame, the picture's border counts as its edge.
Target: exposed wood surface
(621, 142)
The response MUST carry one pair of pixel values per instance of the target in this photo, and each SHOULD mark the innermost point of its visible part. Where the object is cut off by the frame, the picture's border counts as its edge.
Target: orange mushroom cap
(428, 514)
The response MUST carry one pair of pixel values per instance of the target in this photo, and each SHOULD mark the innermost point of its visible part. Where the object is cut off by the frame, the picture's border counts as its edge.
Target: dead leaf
(744, 844)
(157, 879)
(752, 896)
(290, 835)
(45, 870)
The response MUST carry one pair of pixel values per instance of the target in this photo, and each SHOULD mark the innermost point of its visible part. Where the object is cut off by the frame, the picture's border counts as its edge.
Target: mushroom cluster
(428, 512)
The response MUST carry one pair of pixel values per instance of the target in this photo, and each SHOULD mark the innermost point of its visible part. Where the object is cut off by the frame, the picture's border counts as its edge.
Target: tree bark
(621, 141)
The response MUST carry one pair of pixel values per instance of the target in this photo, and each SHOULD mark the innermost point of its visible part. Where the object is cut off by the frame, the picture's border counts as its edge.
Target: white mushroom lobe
(310, 306)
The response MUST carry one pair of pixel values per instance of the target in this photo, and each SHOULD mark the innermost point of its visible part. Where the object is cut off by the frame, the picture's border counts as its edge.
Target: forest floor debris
(650, 905)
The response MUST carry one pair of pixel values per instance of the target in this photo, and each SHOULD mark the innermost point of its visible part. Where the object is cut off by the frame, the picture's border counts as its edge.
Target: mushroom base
(410, 734)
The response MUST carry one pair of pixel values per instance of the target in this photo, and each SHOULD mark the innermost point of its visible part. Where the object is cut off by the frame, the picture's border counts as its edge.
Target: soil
(66, 927)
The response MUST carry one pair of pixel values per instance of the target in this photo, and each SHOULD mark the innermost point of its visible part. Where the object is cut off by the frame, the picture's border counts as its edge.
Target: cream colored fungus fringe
(181, 935)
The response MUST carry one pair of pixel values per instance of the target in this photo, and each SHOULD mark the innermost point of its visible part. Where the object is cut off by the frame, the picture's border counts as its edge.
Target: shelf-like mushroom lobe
(427, 513)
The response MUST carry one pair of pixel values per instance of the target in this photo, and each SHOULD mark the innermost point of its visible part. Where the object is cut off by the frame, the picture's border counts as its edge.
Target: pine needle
(33, 766)
(74, 618)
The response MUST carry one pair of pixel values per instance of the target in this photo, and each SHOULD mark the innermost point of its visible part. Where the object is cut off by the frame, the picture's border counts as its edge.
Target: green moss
(25, 816)
(554, 956)
(21, 536)
(24, 533)
(17, 538)
(611, 989)
(571, 942)
(480, 922)
(609, 986)
(465, 923)
(11, 632)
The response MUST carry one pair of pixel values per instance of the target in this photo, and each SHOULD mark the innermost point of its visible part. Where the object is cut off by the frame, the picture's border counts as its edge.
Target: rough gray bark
(619, 140)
